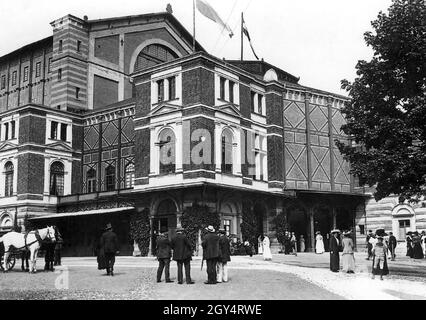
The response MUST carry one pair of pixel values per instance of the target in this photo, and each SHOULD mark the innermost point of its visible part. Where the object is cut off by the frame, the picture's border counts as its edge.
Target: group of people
(416, 244)
(216, 253)
(290, 243)
(389, 241)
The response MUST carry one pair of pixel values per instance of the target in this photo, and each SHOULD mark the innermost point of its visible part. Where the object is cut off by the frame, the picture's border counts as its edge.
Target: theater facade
(110, 117)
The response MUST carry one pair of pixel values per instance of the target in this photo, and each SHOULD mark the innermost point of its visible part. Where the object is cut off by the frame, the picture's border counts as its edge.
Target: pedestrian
(267, 256)
(380, 265)
(334, 250)
(302, 243)
(348, 259)
(49, 257)
(368, 244)
(319, 243)
(293, 241)
(211, 254)
(109, 247)
(417, 246)
(182, 254)
(423, 238)
(409, 241)
(248, 248)
(225, 257)
(164, 253)
(260, 244)
(392, 245)
(58, 248)
(287, 242)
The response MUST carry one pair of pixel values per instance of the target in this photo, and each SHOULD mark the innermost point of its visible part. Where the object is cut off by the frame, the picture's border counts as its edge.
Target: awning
(82, 213)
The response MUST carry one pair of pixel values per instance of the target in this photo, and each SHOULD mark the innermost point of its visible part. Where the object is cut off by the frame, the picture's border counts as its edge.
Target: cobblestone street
(286, 277)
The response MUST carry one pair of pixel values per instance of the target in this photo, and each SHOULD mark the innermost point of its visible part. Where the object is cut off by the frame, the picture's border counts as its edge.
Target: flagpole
(242, 36)
(193, 40)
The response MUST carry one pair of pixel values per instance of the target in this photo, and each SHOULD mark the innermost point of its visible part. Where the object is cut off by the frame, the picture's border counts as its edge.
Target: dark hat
(108, 226)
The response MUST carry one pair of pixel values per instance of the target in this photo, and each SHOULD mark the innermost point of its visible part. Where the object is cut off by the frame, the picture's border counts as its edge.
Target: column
(227, 90)
(311, 216)
(239, 226)
(179, 145)
(334, 214)
(151, 218)
(166, 90)
(331, 140)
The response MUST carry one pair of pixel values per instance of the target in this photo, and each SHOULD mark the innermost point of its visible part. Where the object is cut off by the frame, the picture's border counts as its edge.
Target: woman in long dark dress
(334, 251)
(409, 240)
(417, 246)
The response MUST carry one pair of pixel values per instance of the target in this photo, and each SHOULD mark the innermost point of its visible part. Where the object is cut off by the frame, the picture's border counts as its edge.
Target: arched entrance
(259, 211)
(344, 219)
(298, 223)
(165, 220)
(403, 220)
(323, 222)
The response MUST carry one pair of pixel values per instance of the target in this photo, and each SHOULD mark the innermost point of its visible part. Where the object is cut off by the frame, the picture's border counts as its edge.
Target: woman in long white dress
(319, 245)
(266, 249)
(260, 245)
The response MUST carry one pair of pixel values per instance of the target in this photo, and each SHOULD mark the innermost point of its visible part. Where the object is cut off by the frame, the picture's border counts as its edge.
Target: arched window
(6, 222)
(8, 183)
(167, 144)
(130, 175)
(227, 152)
(110, 178)
(57, 179)
(91, 180)
(152, 55)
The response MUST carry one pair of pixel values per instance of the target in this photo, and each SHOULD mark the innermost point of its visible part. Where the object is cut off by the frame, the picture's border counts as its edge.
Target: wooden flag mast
(242, 36)
(193, 40)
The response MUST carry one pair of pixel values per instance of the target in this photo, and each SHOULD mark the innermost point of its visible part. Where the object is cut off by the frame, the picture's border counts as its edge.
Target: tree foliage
(249, 226)
(197, 218)
(386, 116)
(281, 226)
(140, 230)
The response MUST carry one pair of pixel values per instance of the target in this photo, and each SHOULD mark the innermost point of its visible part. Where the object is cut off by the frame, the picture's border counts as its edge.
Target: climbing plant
(281, 226)
(140, 230)
(249, 226)
(197, 218)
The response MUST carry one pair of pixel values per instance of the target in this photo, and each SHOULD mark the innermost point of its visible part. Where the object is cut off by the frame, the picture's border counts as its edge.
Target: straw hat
(335, 231)
(210, 229)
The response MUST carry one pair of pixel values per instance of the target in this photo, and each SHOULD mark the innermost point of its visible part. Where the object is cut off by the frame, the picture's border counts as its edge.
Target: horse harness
(38, 239)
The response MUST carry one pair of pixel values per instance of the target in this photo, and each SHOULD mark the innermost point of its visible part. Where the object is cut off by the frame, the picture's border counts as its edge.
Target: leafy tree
(198, 218)
(249, 226)
(281, 226)
(140, 230)
(386, 116)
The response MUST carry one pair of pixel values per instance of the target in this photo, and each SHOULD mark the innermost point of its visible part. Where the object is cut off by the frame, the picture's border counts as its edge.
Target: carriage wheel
(11, 260)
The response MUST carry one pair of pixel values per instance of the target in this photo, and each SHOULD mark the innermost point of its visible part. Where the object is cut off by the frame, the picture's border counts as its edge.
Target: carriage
(11, 260)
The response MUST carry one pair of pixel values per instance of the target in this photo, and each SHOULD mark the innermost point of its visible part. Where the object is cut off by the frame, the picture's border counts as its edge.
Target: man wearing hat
(369, 244)
(164, 253)
(182, 254)
(224, 258)
(211, 254)
(109, 245)
(392, 245)
(334, 250)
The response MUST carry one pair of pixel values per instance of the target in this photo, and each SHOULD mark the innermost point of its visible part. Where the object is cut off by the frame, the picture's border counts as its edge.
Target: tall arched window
(227, 152)
(110, 178)
(167, 144)
(154, 54)
(130, 175)
(91, 180)
(57, 179)
(6, 222)
(8, 182)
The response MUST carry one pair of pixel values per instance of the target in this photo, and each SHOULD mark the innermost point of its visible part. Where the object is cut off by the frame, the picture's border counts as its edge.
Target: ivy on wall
(197, 218)
(281, 226)
(249, 226)
(140, 230)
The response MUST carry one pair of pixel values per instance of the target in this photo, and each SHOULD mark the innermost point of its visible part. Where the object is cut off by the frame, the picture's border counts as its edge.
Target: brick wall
(142, 154)
(32, 129)
(30, 173)
(198, 87)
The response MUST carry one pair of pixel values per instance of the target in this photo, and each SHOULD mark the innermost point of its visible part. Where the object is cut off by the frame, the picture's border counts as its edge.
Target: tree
(386, 116)
(140, 230)
(249, 226)
(281, 227)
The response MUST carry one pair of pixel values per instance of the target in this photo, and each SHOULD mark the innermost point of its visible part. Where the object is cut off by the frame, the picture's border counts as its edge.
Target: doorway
(323, 222)
(165, 220)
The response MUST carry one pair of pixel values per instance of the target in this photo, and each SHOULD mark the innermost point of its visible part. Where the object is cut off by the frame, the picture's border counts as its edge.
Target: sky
(318, 41)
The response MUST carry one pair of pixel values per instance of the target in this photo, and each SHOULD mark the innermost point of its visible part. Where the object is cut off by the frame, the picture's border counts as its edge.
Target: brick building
(114, 116)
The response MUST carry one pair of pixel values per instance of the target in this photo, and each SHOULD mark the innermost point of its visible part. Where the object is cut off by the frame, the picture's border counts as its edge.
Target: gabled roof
(29, 47)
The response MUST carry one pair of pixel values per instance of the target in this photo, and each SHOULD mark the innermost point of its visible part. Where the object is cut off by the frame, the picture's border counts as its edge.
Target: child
(380, 265)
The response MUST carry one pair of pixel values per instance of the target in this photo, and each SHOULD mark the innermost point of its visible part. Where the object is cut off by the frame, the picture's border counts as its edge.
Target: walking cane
(202, 264)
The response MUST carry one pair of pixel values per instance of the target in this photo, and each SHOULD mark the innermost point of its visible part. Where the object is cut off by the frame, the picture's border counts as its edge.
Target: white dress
(319, 246)
(260, 246)
(266, 249)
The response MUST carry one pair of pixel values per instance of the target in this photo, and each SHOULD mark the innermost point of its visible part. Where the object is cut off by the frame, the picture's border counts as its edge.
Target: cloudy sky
(318, 41)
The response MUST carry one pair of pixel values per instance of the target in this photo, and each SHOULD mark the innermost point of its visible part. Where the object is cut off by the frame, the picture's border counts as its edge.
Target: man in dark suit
(369, 245)
(392, 245)
(182, 254)
(164, 253)
(334, 251)
(225, 257)
(109, 245)
(211, 254)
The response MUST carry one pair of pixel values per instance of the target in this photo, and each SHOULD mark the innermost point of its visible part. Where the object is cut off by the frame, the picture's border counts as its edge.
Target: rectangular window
(6, 131)
(260, 105)
(59, 74)
(77, 92)
(14, 76)
(54, 130)
(253, 97)
(12, 125)
(172, 88)
(222, 88)
(26, 73)
(78, 45)
(60, 46)
(361, 229)
(404, 223)
(231, 91)
(64, 132)
(49, 66)
(3, 82)
(38, 69)
(160, 84)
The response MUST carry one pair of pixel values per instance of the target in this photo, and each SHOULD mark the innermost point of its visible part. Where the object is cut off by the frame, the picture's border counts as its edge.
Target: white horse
(32, 242)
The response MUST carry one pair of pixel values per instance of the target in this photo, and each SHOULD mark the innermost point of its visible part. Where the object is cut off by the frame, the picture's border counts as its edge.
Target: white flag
(207, 11)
